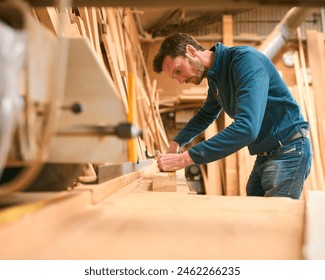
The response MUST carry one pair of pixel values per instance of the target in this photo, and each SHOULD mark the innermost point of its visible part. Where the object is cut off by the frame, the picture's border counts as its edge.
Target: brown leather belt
(303, 132)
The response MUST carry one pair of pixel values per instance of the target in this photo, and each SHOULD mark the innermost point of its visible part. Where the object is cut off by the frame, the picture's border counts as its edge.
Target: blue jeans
(283, 171)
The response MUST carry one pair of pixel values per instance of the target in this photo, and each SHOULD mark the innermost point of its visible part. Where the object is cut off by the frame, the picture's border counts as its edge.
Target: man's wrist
(173, 147)
(187, 159)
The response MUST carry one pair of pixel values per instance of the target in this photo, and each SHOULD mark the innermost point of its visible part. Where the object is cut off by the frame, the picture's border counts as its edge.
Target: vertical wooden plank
(113, 25)
(92, 14)
(213, 182)
(314, 245)
(310, 109)
(44, 17)
(85, 18)
(81, 26)
(316, 58)
(155, 122)
(298, 95)
(65, 28)
(232, 187)
(112, 58)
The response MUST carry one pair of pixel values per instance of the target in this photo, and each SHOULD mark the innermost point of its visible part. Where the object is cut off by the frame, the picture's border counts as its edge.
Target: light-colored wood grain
(213, 184)
(89, 84)
(231, 187)
(311, 114)
(93, 21)
(43, 15)
(316, 58)
(86, 22)
(138, 224)
(164, 182)
(314, 240)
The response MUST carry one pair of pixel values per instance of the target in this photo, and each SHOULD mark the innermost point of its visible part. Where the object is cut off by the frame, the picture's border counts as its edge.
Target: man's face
(184, 69)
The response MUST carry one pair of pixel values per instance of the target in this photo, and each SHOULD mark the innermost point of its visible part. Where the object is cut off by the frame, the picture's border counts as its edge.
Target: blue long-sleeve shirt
(246, 85)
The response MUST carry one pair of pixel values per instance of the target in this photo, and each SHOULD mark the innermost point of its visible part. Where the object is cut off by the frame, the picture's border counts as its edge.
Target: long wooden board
(230, 161)
(137, 224)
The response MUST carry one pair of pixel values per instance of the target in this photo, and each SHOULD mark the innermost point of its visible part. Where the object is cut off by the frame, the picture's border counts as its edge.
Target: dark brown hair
(174, 45)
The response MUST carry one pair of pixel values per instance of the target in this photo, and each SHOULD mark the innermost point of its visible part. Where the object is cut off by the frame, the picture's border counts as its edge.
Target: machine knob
(75, 107)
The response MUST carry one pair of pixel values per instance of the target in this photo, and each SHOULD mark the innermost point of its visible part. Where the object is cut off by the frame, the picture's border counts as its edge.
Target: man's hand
(173, 162)
(173, 148)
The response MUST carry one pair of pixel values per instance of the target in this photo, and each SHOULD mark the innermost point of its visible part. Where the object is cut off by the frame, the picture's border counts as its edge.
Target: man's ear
(190, 50)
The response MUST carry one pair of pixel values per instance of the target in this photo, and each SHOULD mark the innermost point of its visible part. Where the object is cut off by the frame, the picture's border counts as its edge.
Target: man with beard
(246, 85)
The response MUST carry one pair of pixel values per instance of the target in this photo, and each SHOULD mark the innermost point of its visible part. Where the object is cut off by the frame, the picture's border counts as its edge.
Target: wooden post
(231, 160)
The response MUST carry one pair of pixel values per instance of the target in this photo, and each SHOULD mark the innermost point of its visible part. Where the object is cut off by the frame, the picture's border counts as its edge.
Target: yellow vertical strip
(132, 147)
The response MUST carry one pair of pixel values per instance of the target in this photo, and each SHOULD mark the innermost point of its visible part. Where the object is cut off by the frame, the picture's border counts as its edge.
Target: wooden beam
(230, 161)
(164, 182)
(316, 58)
(310, 109)
(213, 183)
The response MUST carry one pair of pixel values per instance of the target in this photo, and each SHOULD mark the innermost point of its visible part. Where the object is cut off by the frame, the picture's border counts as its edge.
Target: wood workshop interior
(83, 117)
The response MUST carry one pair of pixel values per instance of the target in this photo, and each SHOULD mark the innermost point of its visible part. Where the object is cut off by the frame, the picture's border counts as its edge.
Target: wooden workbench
(133, 222)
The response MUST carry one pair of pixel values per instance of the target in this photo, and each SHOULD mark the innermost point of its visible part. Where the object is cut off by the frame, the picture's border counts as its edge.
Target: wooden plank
(111, 55)
(164, 182)
(310, 109)
(44, 17)
(238, 165)
(213, 182)
(162, 131)
(75, 30)
(155, 122)
(113, 25)
(183, 116)
(85, 18)
(114, 28)
(81, 26)
(58, 22)
(122, 36)
(301, 101)
(143, 118)
(175, 226)
(196, 91)
(151, 120)
(232, 187)
(314, 244)
(92, 14)
(298, 95)
(101, 191)
(47, 213)
(316, 58)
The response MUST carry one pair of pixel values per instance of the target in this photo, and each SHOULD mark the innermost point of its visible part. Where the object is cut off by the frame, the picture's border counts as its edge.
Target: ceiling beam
(181, 3)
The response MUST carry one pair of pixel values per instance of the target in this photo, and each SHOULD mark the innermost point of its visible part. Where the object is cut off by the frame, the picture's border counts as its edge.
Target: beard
(201, 71)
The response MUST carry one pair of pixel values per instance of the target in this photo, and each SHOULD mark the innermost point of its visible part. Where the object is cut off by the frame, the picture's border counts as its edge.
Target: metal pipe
(284, 30)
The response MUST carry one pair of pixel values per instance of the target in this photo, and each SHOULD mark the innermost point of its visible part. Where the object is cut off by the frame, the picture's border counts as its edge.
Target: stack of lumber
(197, 94)
(190, 98)
(113, 35)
